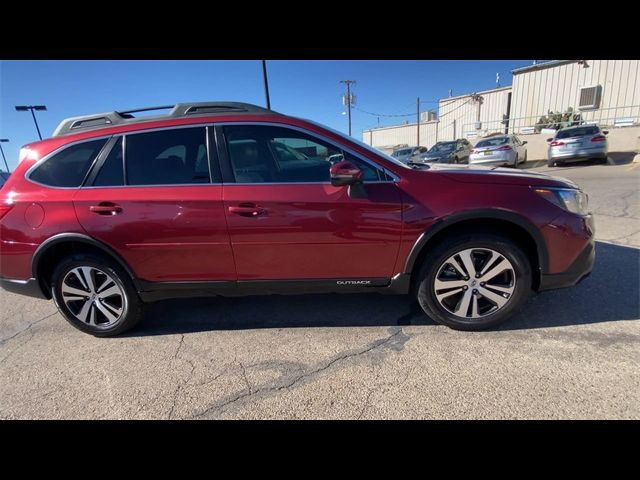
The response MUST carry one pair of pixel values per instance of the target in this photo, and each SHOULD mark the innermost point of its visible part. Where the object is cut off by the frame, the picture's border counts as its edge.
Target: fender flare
(483, 213)
(78, 237)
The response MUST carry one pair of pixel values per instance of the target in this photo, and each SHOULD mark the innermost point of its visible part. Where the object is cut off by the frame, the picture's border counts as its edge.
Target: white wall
(557, 88)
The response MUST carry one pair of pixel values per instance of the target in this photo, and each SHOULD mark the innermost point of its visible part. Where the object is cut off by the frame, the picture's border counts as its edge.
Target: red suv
(224, 198)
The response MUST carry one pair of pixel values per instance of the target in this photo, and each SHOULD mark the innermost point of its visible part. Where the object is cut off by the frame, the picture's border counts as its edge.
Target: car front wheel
(95, 295)
(474, 281)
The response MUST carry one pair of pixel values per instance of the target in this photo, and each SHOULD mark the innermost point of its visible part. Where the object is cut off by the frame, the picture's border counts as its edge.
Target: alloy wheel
(474, 283)
(93, 296)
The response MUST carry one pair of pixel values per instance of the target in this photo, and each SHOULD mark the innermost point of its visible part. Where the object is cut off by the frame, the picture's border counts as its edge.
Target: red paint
(285, 231)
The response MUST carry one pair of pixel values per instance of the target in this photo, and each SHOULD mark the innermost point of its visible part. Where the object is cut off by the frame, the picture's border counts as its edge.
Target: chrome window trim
(394, 178)
(62, 148)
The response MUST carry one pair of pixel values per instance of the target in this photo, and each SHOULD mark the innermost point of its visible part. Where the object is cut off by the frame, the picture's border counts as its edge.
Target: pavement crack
(246, 380)
(27, 328)
(303, 376)
(181, 384)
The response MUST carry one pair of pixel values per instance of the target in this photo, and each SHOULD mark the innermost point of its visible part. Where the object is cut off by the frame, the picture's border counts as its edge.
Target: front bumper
(578, 271)
(30, 287)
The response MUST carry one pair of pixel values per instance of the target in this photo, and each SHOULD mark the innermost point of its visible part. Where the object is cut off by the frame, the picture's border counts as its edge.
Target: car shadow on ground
(610, 293)
(613, 159)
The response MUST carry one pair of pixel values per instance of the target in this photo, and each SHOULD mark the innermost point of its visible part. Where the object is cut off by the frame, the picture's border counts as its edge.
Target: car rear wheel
(95, 295)
(474, 282)
(516, 162)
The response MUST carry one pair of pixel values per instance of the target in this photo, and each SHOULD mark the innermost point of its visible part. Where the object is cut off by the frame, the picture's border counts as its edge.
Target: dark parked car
(457, 151)
(3, 178)
(231, 199)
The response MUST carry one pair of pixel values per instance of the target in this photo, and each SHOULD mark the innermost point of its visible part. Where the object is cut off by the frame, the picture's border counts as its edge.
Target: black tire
(132, 306)
(425, 292)
(456, 160)
(516, 162)
(551, 164)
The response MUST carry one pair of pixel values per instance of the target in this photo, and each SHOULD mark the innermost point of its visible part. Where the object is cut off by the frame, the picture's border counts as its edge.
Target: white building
(603, 91)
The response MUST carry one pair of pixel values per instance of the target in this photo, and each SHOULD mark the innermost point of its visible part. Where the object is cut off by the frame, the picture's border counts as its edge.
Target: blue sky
(308, 89)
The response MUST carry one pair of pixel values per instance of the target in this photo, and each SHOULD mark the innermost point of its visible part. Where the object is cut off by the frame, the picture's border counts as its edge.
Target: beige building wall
(556, 85)
(458, 115)
(386, 138)
(536, 90)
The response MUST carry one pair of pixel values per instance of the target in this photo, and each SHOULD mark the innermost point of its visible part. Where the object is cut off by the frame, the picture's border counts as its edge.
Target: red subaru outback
(223, 198)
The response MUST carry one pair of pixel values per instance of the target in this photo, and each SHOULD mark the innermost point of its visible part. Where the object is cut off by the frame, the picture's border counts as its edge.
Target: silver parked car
(577, 143)
(499, 150)
(408, 154)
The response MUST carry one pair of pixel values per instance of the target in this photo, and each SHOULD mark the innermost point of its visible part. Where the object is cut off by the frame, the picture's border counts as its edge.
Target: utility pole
(24, 108)
(418, 121)
(4, 140)
(266, 83)
(348, 100)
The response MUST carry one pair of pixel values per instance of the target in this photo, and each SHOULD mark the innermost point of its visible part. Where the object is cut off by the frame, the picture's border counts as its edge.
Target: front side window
(264, 154)
(167, 157)
(68, 167)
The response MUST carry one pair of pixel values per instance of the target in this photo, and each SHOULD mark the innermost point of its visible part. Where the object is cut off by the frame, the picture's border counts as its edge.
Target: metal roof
(540, 66)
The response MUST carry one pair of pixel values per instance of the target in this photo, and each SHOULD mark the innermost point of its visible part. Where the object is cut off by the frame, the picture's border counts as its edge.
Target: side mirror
(525, 142)
(344, 173)
(605, 132)
(549, 139)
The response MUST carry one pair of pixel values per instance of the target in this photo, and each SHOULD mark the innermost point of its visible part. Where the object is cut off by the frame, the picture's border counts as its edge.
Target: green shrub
(558, 120)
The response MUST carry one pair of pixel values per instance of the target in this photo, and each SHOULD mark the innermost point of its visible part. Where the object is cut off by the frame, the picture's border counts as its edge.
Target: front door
(286, 220)
(161, 208)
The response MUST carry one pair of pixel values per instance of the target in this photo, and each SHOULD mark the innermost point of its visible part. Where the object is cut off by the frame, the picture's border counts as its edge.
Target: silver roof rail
(101, 120)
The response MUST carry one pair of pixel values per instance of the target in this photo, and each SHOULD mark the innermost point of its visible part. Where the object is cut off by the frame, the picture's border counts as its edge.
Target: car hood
(480, 174)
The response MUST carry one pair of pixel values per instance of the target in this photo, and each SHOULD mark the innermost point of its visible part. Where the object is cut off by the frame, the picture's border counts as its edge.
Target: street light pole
(31, 108)
(4, 140)
(266, 83)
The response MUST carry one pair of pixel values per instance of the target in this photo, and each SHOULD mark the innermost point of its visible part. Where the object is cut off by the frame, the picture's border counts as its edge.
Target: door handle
(248, 210)
(106, 208)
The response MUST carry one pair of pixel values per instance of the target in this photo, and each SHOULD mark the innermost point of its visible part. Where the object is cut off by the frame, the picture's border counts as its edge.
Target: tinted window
(442, 147)
(578, 132)
(167, 157)
(111, 174)
(69, 167)
(492, 142)
(279, 155)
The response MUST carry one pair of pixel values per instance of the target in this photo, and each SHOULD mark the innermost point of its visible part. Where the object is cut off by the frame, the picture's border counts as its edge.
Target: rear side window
(167, 157)
(68, 167)
(112, 172)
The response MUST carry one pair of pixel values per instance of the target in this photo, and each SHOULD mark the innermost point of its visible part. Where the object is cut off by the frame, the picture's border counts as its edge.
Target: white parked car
(500, 150)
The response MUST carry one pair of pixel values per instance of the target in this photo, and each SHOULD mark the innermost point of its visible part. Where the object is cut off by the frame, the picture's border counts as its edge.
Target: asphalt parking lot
(568, 354)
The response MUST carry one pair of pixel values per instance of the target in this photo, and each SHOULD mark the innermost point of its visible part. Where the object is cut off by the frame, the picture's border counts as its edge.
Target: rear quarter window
(68, 167)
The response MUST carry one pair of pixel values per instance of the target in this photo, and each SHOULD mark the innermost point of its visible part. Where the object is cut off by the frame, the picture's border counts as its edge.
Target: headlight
(570, 199)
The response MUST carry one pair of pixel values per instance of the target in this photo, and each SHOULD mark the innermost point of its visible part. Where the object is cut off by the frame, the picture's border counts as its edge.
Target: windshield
(401, 153)
(369, 148)
(492, 142)
(443, 147)
(578, 132)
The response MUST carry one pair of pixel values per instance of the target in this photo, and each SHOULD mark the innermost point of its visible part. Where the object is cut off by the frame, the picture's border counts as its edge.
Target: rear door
(157, 199)
(287, 221)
